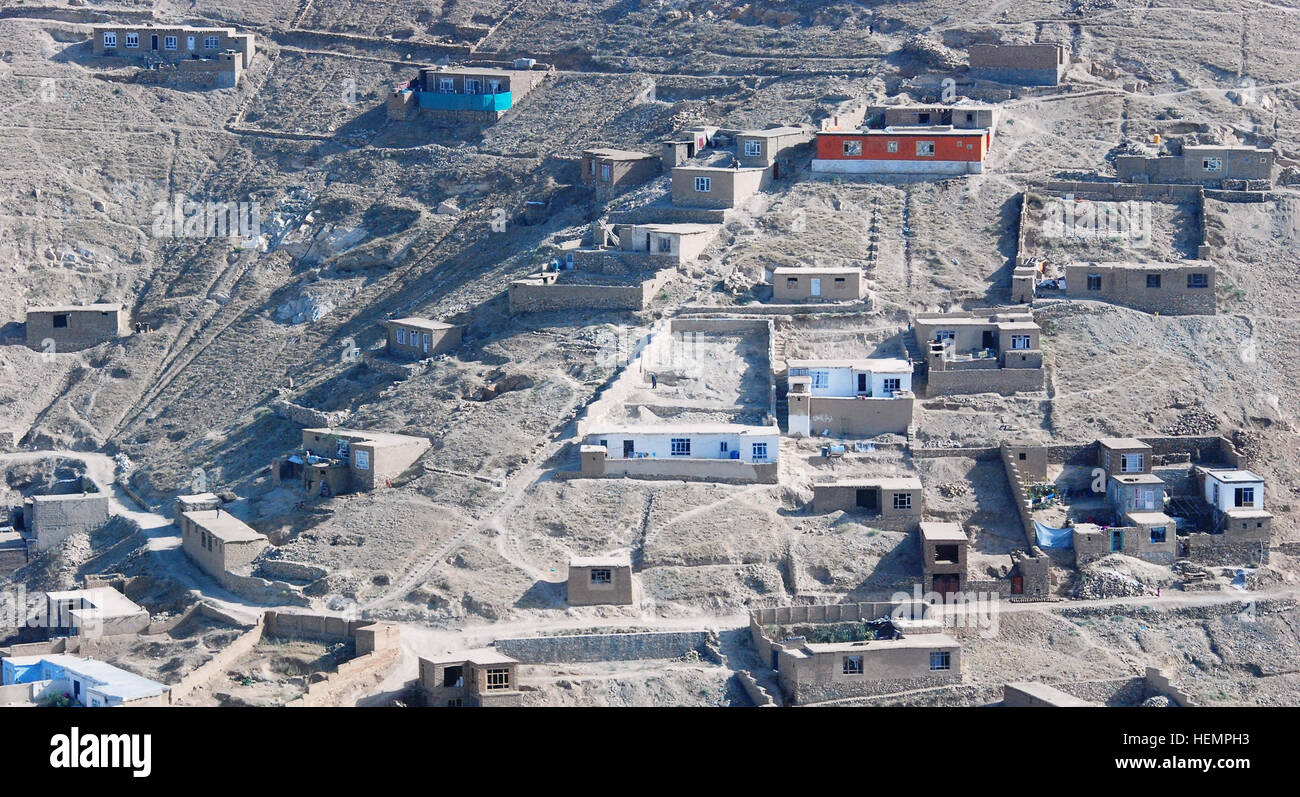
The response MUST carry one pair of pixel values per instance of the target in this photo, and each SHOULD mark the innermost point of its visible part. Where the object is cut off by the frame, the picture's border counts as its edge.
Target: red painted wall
(973, 147)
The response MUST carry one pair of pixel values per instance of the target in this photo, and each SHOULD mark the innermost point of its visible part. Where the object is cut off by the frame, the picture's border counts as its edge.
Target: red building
(902, 150)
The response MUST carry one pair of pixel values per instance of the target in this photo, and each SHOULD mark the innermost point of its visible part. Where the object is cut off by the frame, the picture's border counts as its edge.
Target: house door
(1017, 585)
(426, 343)
(628, 449)
(816, 287)
(990, 340)
(776, 170)
(647, 242)
(189, 42)
(1117, 540)
(153, 42)
(862, 383)
(869, 498)
(947, 584)
(1146, 498)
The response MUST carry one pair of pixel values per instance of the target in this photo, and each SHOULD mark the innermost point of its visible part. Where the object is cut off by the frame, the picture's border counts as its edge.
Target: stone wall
(604, 647)
(1003, 381)
(532, 296)
(308, 417)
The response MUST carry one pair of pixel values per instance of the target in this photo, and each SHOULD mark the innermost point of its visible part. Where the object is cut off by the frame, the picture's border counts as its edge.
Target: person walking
(654, 382)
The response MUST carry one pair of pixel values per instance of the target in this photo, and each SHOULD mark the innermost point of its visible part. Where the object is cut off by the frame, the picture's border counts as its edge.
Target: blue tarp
(1049, 537)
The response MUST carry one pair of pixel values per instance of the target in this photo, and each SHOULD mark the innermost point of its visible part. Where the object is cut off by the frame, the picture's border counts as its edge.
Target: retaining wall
(604, 647)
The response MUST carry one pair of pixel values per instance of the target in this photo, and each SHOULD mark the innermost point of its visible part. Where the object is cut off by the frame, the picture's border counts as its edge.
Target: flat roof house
(843, 398)
(101, 610)
(943, 556)
(701, 186)
(480, 94)
(481, 677)
(89, 682)
(1177, 288)
(889, 502)
(60, 328)
(989, 350)
(933, 150)
(686, 144)
(1018, 64)
(418, 338)
(171, 42)
(50, 519)
(1210, 165)
(675, 243)
(600, 580)
(770, 148)
(817, 284)
(338, 461)
(219, 542)
(727, 452)
(612, 171)
(966, 116)
(1137, 496)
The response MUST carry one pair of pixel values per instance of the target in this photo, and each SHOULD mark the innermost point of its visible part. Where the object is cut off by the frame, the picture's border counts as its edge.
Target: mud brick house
(1213, 166)
(1238, 523)
(674, 243)
(90, 682)
(612, 171)
(1018, 64)
(219, 542)
(700, 186)
(74, 327)
(470, 93)
(686, 144)
(93, 612)
(862, 398)
(418, 338)
(771, 148)
(938, 150)
(893, 648)
(482, 677)
(817, 284)
(600, 580)
(338, 461)
(889, 502)
(943, 556)
(725, 452)
(980, 351)
(171, 43)
(50, 519)
(1180, 288)
(1137, 496)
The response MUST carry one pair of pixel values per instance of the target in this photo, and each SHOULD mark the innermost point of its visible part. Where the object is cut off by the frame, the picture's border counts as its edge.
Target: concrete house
(936, 150)
(50, 519)
(173, 43)
(418, 338)
(842, 398)
(338, 461)
(612, 171)
(480, 677)
(1177, 288)
(686, 144)
(469, 93)
(600, 581)
(74, 327)
(219, 542)
(889, 502)
(1018, 64)
(701, 186)
(94, 612)
(817, 284)
(676, 243)
(1236, 498)
(89, 682)
(1213, 166)
(943, 556)
(771, 148)
(705, 452)
(981, 351)
(967, 116)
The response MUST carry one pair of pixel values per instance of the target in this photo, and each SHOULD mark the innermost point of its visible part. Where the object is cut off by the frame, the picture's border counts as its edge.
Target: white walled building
(876, 377)
(703, 452)
(1230, 490)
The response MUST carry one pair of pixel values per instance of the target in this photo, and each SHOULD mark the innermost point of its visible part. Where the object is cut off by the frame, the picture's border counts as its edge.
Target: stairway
(781, 376)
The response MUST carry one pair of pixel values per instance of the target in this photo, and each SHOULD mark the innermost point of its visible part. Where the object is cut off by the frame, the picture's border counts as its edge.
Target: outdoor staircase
(781, 376)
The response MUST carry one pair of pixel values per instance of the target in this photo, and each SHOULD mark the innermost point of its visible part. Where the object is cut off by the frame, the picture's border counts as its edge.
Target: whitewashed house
(864, 397)
(705, 452)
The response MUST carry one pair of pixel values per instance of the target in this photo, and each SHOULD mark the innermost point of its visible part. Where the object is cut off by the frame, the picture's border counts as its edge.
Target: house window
(723, 448)
(902, 500)
(703, 185)
(1094, 282)
(401, 335)
(1153, 280)
(604, 172)
(210, 42)
(892, 385)
(1198, 280)
(1245, 496)
(665, 245)
(925, 149)
(60, 321)
(132, 40)
(753, 148)
(363, 460)
(941, 660)
(942, 335)
(892, 146)
(760, 452)
(852, 665)
(602, 575)
(852, 148)
(426, 341)
(681, 446)
(189, 43)
(448, 86)
(839, 280)
(1212, 164)
(791, 282)
(820, 379)
(1020, 342)
(454, 702)
(110, 39)
(498, 679)
(472, 86)
(494, 87)
(1157, 534)
(169, 42)
(453, 677)
(1130, 463)
(592, 162)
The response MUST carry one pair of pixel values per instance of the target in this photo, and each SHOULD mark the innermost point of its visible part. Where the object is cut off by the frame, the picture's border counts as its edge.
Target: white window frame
(753, 149)
(473, 86)
(902, 501)
(1242, 494)
(1212, 164)
(852, 665)
(679, 446)
(602, 575)
(758, 452)
(891, 385)
(1124, 460)
(703, 185)
(853, 148)
(211, 42)
(190, 43)
(940, 660)
(943, 335)
(170, 43)
(1021, 342)
(401, 335)
(446, 85)
(892, 146)
(110, 39)
(820, 380)
(362, 459)
(925, 149)
(132, 39)
(606, 173)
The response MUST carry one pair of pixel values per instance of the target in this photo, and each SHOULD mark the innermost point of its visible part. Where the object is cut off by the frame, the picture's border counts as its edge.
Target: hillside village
(475, 354)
